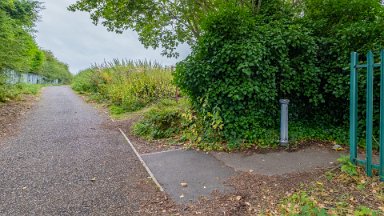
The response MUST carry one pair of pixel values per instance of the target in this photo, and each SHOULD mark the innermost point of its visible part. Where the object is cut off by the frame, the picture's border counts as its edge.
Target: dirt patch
(12, 112)
(254, 194)
(331, 189)
(342, 194)
(262, 194)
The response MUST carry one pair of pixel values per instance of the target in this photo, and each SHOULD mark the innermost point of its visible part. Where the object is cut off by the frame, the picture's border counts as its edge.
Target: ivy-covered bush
(240, 68)
(340, 27)
(245, 62)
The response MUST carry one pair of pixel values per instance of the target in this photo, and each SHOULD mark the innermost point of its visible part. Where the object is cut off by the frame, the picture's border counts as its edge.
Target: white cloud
(76, 41)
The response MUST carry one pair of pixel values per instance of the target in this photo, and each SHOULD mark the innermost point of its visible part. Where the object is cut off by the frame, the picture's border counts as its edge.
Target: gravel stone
(63, 162)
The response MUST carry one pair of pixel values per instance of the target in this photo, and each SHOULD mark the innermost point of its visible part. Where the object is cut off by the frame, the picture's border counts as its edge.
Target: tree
(159, 23)
(24, 12)
(52, 68)
(165, 23)
(17, 46)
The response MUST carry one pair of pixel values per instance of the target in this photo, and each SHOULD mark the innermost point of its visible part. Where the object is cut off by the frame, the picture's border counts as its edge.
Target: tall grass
(126, 85)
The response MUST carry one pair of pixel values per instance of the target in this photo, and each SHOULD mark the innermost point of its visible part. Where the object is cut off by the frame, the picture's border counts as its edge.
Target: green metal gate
(370, 65)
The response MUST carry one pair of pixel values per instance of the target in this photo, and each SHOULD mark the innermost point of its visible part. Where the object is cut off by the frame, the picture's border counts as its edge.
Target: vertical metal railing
(368, 162)
(369, 112)
(381, 168)
(353, 107)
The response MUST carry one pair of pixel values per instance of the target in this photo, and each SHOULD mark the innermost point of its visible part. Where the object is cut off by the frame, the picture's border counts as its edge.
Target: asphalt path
(64, 161)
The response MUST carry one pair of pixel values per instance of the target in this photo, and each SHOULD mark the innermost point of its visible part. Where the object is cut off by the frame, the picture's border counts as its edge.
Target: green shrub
(340, 27)
(241, 67)
(83, 83)
(163, 120)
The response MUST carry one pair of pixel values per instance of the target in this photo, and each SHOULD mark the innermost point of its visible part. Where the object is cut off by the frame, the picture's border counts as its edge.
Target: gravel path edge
(142, 161)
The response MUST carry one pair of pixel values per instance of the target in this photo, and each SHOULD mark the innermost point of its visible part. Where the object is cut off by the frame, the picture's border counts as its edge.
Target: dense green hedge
(340, 27)
(244, 63)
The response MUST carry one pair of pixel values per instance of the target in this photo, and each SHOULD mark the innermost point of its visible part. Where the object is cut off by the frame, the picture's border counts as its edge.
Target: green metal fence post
(381, 165)
(369, 123)
(353, 108)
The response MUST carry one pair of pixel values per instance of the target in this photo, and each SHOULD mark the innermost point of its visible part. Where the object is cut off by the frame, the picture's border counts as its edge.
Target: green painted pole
(353, 108)
(369, 123)
(381, 165)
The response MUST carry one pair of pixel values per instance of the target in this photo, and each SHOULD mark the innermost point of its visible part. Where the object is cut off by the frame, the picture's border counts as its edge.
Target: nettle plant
(239, 69)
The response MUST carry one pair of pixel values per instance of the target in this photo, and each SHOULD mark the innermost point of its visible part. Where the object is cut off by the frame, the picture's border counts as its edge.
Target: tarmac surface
(280, 163)
(205, 173)
(201, 173)
(63, 162)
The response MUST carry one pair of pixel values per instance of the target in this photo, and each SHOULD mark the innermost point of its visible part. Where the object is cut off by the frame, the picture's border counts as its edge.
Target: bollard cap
(284, 101)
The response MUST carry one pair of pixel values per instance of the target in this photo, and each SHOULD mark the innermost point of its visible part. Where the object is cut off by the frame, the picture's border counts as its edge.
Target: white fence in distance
(14, 77)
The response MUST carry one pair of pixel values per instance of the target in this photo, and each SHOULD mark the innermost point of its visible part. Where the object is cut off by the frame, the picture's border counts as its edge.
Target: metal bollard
(284, 122)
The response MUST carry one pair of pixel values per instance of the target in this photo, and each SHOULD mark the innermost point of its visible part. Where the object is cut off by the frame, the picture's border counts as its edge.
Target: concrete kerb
(142, 161)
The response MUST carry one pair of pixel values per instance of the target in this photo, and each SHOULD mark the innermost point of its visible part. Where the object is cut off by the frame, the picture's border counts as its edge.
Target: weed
(163, 120)
(301, 204)
(347, 166)
(364, 211)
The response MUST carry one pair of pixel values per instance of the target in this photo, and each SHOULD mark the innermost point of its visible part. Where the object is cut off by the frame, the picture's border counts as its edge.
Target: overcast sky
(76, 41)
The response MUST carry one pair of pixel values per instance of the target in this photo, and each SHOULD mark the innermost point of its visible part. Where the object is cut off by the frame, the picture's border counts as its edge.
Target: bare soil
(253, 195)
(12, 112)
(263, 195)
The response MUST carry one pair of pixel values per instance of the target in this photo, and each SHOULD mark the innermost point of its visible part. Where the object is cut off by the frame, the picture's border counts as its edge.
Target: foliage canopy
(18, 49)
(160, 24)
(163, 24)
